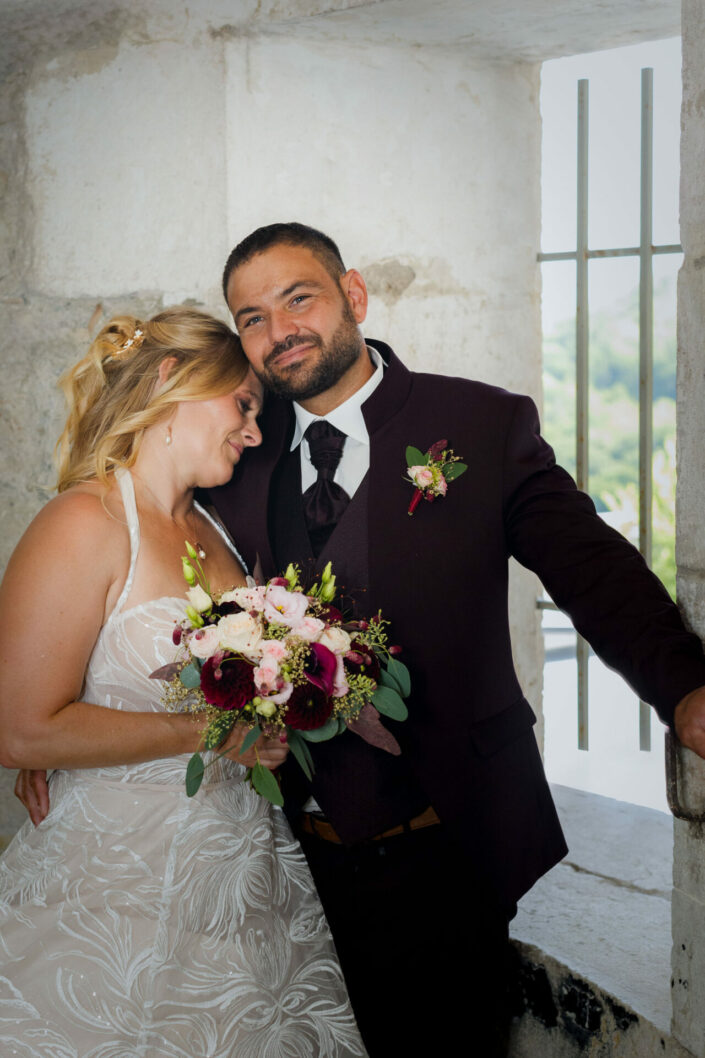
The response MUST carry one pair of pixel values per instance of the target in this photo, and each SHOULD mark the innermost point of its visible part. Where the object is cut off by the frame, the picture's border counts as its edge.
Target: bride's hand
(33, 791)
(269, 751)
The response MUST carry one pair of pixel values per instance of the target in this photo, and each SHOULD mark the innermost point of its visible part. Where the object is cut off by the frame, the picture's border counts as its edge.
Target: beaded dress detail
(135, 921)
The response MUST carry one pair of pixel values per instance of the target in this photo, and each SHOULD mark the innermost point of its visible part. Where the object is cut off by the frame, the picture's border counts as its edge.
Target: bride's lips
(238, 447)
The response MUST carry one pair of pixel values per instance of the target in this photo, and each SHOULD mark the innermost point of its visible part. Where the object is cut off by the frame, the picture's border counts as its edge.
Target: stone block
(688, 968)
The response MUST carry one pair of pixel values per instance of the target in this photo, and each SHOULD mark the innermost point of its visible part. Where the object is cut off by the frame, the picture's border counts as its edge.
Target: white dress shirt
(347, 417)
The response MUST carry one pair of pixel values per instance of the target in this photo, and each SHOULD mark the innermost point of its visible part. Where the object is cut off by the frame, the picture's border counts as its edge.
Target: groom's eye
(251, 320)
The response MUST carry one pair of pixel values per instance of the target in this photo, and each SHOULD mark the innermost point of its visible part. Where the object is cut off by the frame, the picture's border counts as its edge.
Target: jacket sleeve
(594, 574)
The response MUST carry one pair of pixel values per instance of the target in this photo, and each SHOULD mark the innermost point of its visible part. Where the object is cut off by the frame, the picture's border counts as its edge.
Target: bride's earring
(168, 435)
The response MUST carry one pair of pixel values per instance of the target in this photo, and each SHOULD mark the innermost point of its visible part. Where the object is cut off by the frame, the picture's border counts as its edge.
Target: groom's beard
(318, 372)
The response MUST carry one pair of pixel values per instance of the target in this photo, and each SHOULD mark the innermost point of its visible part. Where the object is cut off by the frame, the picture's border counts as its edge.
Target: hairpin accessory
(130, 346)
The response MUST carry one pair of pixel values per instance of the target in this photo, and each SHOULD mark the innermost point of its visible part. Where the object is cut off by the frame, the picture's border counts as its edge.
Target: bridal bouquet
(281, 661)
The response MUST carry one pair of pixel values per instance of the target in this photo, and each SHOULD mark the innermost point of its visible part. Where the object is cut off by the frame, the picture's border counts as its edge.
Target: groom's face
(297, 323)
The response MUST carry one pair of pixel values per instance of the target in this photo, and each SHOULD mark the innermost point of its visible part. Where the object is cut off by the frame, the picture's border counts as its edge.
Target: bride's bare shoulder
(86, 516)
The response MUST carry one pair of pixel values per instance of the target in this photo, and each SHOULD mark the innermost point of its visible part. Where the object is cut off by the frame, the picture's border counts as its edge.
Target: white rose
(248, 598)
(240, 632)
(199, 599)
(336, 639)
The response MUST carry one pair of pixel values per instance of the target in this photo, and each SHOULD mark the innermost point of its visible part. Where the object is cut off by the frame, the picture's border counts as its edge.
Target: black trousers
(424, 949)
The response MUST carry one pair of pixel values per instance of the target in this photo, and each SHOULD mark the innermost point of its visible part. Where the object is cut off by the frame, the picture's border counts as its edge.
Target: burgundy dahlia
(308, 707)
(228, 685)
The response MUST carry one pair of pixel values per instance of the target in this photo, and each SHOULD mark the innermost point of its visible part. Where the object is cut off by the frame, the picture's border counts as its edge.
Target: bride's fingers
(268, 751)
(32, 790)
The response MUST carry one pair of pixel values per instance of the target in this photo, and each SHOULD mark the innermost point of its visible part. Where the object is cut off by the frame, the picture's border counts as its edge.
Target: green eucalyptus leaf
(415, 457)
(302, 753)
(250, 738)
(386, 679)
(194, 774)
(266, 785)
(454, 471)
(399, 672)
(190, 677)
(388, 702)
(322, 734)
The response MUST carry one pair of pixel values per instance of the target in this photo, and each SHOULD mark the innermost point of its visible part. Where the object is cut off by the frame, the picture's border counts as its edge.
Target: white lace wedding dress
(138, 923)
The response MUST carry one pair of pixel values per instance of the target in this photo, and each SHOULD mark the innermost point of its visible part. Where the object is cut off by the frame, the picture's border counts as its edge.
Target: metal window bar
(582, 255)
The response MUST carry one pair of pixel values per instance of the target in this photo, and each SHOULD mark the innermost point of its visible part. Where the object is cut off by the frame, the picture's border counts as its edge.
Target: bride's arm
(59, 582)
(62, 580)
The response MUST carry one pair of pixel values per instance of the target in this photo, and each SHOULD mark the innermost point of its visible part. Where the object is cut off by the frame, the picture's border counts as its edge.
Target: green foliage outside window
(614, 418)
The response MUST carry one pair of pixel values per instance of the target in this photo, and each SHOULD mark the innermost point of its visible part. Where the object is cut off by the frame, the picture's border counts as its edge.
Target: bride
(134, 920)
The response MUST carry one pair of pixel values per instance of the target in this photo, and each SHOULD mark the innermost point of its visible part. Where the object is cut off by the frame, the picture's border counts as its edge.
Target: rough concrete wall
(139, 145)
(425, 168)
(689, 849)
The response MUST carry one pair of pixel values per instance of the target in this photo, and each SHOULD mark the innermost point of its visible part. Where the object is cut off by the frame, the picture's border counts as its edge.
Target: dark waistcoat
(362, 790)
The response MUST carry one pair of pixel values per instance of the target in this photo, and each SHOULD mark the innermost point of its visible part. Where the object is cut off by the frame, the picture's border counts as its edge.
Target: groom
(420, 859)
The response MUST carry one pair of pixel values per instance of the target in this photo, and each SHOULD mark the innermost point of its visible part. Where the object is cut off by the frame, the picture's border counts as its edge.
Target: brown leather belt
(321, 828)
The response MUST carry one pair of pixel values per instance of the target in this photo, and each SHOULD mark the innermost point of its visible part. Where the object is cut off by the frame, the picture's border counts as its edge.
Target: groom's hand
(689, 721)
(33, 791)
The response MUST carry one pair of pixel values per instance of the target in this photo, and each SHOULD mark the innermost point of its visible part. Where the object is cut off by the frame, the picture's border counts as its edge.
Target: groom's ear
(354, 289)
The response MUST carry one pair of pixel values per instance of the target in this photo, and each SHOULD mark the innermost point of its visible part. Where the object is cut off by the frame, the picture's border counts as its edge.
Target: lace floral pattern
(135, 921)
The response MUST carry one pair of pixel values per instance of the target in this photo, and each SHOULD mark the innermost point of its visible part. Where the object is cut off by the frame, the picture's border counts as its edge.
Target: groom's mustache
(290, 342)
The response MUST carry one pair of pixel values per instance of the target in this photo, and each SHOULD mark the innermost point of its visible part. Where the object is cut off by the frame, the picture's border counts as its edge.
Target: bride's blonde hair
(113, 393)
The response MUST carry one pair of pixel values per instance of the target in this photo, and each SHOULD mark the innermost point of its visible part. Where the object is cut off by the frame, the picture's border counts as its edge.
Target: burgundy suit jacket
(441, 578)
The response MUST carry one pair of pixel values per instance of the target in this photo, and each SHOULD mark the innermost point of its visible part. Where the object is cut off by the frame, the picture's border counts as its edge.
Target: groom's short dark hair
(291, 234)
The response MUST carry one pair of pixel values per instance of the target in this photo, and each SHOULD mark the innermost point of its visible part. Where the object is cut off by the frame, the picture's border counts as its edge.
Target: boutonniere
(431, 472)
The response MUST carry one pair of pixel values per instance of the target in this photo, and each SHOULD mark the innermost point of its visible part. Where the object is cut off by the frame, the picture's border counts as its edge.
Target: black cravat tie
(324, 501)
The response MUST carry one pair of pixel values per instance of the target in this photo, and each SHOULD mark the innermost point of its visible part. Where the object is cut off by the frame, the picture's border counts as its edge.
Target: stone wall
(688, 773)
(138, 144)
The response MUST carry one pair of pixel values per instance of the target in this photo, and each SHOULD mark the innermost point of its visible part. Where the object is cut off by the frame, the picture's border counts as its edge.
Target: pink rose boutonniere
(430, 473)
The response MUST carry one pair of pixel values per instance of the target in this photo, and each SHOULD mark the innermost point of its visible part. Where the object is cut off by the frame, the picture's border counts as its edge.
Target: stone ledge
(594, 938)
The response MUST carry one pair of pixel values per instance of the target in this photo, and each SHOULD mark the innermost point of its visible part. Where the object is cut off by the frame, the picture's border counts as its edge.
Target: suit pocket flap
(491, 734)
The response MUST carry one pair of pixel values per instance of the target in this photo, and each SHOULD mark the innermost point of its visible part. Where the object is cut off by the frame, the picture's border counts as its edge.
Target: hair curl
(113, 395)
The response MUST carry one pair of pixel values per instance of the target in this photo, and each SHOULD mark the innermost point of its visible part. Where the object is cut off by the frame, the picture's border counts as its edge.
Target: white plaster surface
(511, 30)
(413, 184)
(605, 911)
(126, 161)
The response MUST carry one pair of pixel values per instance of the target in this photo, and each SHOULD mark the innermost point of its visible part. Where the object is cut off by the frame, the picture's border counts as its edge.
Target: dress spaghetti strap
(127, 492)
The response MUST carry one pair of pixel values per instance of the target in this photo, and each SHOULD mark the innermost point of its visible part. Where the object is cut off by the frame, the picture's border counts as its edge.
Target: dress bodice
(133, 643)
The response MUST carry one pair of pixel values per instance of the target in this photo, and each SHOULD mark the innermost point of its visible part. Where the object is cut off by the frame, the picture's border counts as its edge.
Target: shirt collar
(348, 416)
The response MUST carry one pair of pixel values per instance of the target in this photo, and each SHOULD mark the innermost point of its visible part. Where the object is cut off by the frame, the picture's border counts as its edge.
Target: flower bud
(194, 617)
(328, 588)
(290, 575)
(188, 571)
(191, 551)
(265, 708)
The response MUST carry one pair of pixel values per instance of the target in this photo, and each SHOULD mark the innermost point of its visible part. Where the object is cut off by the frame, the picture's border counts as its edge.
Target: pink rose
(421, 476)
(309, 628)
(265, 676)
(441, 486)
(273, 649)
(205, 642)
